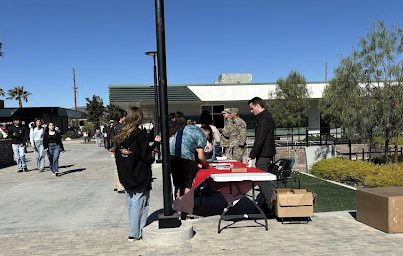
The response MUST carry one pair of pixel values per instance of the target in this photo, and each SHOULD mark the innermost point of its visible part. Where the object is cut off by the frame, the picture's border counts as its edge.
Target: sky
(105, 41)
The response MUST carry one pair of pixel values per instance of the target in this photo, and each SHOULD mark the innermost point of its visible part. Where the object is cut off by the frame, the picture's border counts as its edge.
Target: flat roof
(203, 92)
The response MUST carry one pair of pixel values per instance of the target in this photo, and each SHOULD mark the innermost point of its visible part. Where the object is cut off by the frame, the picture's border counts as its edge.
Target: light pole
(156, 94)
(168, 219)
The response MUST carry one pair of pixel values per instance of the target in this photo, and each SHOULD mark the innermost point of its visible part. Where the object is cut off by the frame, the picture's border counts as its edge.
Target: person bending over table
(187, 150)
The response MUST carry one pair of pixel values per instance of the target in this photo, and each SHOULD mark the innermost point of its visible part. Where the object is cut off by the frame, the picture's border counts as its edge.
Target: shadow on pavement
(66, 166)
(153, 216)
(71, 171)
(353, 214)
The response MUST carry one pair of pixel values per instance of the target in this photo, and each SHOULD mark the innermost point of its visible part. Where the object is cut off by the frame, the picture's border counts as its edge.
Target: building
(194, 98)
(62, 117)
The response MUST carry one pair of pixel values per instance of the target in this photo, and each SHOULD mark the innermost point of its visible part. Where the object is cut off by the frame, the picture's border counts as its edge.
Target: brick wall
(295, 153)
(6, 153)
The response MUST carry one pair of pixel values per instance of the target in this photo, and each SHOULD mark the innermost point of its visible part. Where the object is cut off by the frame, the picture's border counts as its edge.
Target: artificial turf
(329, 197)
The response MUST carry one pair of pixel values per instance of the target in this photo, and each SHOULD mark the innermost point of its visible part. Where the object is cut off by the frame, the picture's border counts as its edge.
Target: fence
(304, 137)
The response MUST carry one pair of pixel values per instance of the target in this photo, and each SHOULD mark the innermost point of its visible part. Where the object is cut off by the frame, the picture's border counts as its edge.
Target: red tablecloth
(186, 202)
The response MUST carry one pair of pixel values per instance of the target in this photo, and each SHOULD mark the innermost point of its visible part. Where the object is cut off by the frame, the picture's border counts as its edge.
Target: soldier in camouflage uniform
(225, 133)
(237, 141)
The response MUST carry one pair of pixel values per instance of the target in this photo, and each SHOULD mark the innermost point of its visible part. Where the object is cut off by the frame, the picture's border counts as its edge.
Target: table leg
(230, 204)
(258, 207)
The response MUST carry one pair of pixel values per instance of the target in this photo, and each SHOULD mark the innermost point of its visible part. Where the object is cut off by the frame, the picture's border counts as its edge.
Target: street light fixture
(156, 94)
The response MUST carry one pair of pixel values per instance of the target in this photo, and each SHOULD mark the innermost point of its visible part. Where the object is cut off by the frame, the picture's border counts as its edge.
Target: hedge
(360, 172)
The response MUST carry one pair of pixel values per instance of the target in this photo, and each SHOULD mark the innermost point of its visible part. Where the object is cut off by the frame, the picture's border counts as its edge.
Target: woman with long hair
(133, 160)
(36, 138)
(52, 142)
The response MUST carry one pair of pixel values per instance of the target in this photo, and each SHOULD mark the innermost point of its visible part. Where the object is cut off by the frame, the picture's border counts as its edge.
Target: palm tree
(18, 93)
(1, 92)
(1, 53)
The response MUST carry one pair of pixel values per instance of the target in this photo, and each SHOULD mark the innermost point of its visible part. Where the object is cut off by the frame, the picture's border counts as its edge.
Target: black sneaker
(25, 169)
(20, 171)
(132, 239)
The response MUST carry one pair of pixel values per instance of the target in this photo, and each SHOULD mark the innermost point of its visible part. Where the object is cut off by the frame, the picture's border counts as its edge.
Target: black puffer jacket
(134, 169)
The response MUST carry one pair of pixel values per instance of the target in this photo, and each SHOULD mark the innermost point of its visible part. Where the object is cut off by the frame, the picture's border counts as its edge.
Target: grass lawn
(329, 197)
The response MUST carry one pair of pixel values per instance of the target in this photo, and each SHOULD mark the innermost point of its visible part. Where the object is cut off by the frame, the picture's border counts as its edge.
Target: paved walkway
(79, 214)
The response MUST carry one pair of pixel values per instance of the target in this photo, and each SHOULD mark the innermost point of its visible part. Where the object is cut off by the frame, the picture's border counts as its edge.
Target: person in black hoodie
(19, 138)
(133, 160)
(52, 142)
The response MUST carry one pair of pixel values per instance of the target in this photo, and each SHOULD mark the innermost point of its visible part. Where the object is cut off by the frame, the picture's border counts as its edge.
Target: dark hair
(16, 118)
(179, 114)
(205, 118)
(256, 101)
(207, 127)
(120, 115)
(171, 116)
(47, 126)
(176, 125)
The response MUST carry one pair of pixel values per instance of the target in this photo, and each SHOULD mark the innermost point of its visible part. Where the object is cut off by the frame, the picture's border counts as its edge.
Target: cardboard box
(293, 203)
(239, 169)
(381, 208)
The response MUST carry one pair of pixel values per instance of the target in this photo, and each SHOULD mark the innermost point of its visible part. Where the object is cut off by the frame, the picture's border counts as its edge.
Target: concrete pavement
(79, 214)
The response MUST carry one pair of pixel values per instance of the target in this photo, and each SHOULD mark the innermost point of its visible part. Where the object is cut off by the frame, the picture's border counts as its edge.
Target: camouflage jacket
(225, 133)
(238, 133)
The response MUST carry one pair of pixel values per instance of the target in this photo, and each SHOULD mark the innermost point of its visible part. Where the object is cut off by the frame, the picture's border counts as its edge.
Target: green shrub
(360, 172)
(381, 140)
(385, 176)
(70, 134)
(382, 159)
(88, 127)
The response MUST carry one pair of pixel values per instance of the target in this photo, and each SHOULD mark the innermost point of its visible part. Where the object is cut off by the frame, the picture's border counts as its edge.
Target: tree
(19, 94)
(346, 104)
(380, 54)
(1, 53)
(290, 101)
(95, 109)
(1, 92)
(365, 95)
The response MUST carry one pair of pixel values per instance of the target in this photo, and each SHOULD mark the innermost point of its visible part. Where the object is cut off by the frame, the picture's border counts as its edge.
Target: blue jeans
(19, 156)
(39, 154)
(53, 155)
(138, 212)
(98, 141)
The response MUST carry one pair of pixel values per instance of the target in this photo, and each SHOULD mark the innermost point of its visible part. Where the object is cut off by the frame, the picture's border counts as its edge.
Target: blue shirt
(193, 138)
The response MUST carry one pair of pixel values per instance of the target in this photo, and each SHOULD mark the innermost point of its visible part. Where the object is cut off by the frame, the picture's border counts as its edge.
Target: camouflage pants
(237, 153)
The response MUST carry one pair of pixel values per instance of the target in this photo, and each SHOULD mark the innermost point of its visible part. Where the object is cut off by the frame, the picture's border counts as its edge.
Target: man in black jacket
(19, 138)
(264, 148)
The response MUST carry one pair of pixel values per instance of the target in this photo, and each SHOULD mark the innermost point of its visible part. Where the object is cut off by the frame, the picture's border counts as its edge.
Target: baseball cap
(226, 110)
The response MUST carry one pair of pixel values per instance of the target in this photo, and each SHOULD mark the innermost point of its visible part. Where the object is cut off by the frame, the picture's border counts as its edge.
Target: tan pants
(116, 182)
(237, 153)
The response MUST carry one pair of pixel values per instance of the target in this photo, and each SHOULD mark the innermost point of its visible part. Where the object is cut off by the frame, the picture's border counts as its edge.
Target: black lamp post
(156, 94)
(168, 219)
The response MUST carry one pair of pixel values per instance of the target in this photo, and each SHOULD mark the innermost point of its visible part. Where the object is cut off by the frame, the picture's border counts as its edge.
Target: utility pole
(75, 93)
